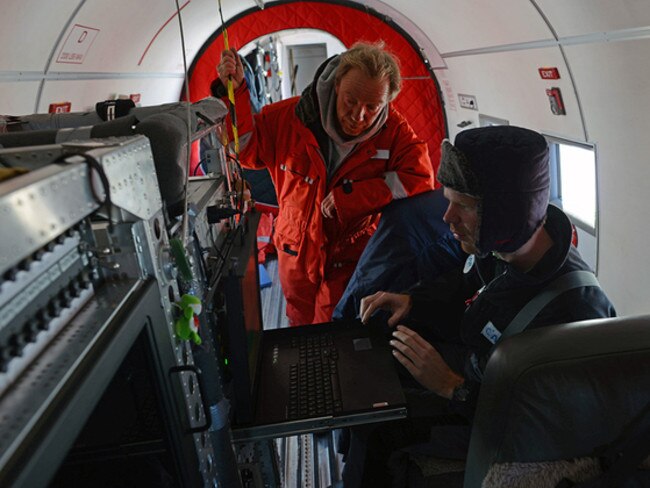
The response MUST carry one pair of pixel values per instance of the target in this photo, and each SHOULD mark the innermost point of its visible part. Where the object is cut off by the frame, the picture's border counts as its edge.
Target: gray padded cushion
(168, 137)
(59, 121)
(213, 108)
(115, 128)
(560, 392)
(32, 138)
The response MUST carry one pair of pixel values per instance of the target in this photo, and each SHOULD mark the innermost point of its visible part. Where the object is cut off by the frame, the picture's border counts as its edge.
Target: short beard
(469, 248)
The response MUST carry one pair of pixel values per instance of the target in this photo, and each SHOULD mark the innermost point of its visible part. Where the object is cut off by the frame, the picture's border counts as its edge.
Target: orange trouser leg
(299, 292)
(299, 310)
(330, 292)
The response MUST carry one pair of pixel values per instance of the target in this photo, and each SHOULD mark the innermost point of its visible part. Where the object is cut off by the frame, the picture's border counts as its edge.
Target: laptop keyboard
(314, 382)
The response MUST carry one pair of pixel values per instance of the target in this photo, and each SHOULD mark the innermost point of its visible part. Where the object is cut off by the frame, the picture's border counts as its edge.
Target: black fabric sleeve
(467, 407)
(438, 307)
(218, 89)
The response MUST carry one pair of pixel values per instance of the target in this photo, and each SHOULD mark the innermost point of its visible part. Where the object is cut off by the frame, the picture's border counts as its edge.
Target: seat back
(552, 396)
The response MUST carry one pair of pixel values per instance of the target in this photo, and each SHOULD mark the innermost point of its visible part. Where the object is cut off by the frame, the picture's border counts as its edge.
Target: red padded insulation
(418, 101)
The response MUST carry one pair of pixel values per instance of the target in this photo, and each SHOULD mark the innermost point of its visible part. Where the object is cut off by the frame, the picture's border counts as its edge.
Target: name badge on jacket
(382, 154)
(491, 333)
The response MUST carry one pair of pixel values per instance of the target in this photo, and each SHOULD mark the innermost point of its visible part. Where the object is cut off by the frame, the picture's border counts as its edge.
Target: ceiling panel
(142, 36)
(28, 31)
(469, 24)
(122, 32)
(579, 17)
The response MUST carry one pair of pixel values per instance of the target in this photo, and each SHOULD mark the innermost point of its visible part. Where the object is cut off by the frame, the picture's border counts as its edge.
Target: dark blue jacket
(411, 244)
(493, 291)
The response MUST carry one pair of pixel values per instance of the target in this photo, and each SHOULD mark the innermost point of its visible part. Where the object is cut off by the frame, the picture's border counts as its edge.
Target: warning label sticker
(76, 45)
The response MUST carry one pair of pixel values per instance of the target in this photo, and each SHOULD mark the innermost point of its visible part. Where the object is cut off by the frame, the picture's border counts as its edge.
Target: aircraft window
(573, 170)
(574, 189)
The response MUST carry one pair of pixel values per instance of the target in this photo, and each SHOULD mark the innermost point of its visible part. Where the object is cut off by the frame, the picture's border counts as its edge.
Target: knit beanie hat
(507, 168)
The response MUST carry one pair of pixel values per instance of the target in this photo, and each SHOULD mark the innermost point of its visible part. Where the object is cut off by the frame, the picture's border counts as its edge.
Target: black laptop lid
(368, 388)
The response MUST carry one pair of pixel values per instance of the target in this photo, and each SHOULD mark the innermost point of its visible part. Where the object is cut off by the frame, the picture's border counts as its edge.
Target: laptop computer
(295, 380)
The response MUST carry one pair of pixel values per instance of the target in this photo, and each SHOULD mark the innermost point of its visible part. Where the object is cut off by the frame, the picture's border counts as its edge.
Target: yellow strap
(231, 90)
(8, 173)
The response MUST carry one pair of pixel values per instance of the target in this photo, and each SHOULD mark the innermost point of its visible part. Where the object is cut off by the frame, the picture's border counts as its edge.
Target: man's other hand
(398, 304)
(424, 362)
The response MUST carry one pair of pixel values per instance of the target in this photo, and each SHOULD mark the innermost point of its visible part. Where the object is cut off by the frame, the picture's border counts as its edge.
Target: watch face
(461, 393)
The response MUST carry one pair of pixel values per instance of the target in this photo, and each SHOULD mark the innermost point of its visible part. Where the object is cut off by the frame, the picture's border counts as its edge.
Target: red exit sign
(60, 108)
(549, 73)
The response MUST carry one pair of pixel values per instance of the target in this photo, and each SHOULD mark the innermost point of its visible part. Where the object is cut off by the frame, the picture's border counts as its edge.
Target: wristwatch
(460, 393)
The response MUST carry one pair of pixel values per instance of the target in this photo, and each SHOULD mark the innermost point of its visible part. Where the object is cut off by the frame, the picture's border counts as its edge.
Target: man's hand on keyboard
(399, 305)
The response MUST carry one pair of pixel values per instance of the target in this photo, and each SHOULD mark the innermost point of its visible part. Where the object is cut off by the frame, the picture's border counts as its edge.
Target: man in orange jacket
(337, 154)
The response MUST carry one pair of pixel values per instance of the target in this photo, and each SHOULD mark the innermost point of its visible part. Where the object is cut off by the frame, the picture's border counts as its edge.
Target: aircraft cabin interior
(142, 320)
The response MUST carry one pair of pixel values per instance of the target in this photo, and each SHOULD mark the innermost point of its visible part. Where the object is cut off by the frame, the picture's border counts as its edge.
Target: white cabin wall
(611, 76)
(507, 85)
(83, 94)
(18, 97)
(612, 80)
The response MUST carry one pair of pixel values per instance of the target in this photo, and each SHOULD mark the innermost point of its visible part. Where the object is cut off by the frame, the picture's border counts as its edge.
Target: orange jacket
(392, 164)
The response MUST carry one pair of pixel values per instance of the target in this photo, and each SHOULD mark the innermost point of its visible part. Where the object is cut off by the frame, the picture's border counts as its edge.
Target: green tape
(182, 263)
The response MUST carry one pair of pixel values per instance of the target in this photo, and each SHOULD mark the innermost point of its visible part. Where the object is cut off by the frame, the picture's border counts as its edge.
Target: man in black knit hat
(497, 182)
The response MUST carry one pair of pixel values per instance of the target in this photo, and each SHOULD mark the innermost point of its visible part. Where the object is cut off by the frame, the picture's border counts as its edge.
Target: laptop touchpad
(362, 344)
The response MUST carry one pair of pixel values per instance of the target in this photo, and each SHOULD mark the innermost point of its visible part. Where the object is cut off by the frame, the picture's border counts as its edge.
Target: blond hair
(375, 62)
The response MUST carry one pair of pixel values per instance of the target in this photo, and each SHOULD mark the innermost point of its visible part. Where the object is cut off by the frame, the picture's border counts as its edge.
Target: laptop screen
(252, 314)
(243, 323)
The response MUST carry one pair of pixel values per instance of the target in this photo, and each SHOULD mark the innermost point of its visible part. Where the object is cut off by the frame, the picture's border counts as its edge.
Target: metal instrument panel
(38, 207)
(49, 377)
